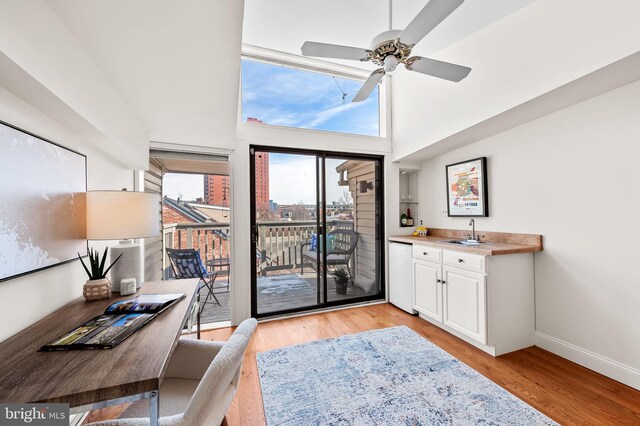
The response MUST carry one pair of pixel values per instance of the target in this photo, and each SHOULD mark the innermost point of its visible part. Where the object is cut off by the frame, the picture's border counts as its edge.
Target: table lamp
(123, 215)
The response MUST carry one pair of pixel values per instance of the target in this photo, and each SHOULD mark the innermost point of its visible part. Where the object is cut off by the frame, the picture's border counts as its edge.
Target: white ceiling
(283, 25)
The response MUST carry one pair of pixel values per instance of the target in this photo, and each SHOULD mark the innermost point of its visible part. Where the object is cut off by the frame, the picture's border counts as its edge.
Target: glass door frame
(321, 224)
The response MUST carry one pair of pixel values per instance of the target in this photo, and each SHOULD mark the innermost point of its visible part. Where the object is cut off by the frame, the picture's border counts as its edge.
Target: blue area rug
(391, 376)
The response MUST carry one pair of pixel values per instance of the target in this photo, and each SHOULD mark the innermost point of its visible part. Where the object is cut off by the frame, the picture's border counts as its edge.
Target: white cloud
(323, 116)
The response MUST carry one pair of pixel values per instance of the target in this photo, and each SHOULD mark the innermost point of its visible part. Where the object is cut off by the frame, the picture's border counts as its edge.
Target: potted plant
(98, 285)
(341, 277)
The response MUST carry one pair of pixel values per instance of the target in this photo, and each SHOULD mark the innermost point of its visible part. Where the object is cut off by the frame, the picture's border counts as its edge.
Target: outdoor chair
(187, 263)
(339, 253)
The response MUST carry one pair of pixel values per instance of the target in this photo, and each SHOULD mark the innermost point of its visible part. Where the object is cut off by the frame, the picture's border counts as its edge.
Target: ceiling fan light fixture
(390, 63)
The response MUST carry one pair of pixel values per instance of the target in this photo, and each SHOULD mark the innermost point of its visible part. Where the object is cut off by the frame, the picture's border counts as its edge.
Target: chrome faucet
(472, 224)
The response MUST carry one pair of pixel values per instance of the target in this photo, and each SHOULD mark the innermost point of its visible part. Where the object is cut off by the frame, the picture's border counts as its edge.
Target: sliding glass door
(316, 230)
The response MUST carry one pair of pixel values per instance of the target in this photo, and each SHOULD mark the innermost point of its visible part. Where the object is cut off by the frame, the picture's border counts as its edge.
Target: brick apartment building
(212, 243)
(217, 190)
(262, 181)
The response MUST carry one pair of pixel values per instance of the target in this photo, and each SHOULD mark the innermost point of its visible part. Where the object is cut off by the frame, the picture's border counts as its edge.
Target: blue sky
(291, 97)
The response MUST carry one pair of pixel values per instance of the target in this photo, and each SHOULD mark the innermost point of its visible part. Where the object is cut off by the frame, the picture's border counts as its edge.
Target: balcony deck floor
(278, 293)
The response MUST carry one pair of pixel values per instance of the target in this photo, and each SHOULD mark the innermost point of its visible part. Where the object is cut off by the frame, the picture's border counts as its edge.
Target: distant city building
(273, 206)
(217, 190)
(262, 180)
(262, 175)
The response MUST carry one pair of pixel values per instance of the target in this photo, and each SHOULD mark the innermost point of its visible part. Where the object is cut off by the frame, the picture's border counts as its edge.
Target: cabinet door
(427, 291)
(464, 300)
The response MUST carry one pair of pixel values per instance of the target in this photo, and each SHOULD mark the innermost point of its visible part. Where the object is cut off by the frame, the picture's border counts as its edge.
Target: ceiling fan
(393, 47)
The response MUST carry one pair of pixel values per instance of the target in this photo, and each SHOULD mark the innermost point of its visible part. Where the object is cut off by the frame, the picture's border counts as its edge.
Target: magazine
(119, 321)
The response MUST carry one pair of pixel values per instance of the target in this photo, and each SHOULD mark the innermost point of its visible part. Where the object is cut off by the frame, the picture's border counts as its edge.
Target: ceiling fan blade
(440, 69)
(369, 85)
(429, 17)
(326, 50)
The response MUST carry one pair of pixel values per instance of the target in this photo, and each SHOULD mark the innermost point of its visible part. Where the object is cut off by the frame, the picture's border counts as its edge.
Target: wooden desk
(90, 379)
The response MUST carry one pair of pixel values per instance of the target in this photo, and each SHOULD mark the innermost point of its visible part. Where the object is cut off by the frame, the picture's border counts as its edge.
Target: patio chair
(187, 263)
(344, 244)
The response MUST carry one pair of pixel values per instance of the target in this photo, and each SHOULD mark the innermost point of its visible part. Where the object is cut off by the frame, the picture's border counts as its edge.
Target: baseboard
(613, 369)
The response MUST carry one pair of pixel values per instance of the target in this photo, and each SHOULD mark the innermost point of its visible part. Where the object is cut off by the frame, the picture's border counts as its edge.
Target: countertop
(485, 249)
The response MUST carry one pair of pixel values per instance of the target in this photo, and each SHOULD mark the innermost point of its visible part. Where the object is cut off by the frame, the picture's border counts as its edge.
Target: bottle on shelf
(409, 218)
(403, 219)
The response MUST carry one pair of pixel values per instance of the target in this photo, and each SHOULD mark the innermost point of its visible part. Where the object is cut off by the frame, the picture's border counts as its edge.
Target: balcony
(285, 280)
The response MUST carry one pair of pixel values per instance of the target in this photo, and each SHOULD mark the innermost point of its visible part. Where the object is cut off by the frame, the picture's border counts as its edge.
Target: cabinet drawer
(472, 262)
(427, 253)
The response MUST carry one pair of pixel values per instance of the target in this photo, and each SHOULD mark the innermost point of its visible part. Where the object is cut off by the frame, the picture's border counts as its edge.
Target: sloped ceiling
(176, 62)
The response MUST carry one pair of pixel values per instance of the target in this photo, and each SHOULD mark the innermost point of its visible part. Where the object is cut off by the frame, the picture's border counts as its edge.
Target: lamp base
(129, 265)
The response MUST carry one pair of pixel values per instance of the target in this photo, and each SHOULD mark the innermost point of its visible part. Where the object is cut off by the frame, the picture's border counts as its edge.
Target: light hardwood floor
(564, 391)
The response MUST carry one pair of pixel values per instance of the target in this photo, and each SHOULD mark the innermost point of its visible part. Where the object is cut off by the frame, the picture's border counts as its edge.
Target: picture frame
(467, 188)
(42, 214)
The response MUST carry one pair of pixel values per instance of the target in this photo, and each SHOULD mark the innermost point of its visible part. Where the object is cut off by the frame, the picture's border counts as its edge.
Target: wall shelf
(408, 191)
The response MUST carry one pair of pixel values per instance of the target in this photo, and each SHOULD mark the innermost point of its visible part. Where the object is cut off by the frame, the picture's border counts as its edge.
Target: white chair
(199, 385)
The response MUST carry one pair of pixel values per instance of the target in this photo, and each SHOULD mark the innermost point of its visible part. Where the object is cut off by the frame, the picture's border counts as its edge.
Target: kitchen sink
(462, 242)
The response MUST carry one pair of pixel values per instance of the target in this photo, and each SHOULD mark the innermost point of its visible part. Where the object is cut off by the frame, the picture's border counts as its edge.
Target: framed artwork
(42, 203)
(467, 188)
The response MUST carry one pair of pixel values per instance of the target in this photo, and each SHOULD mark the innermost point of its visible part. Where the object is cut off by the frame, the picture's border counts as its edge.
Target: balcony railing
(278, 244)
(212, 239)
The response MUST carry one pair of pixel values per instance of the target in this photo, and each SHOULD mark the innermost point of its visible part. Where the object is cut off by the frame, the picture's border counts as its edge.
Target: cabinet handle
(438, 281)
(444, 282)
(424, 253)
(460, 260)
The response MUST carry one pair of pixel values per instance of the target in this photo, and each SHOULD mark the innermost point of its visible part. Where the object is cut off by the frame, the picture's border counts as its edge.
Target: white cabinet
(464, 301)
(427, 289)
(486, 300)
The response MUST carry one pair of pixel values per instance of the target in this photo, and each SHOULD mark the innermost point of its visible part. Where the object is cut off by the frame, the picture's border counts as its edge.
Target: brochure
(119, 321)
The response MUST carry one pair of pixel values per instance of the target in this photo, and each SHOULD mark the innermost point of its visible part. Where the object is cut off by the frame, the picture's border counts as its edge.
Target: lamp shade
(119, 215)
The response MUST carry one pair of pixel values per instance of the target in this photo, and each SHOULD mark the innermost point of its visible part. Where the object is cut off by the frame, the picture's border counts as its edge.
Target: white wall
(535, 50)
(177, 63)
(41, 46)
(570, 176)
(29, 298)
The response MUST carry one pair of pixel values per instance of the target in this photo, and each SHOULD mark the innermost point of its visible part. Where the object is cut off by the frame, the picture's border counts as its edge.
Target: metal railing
(278, 246)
